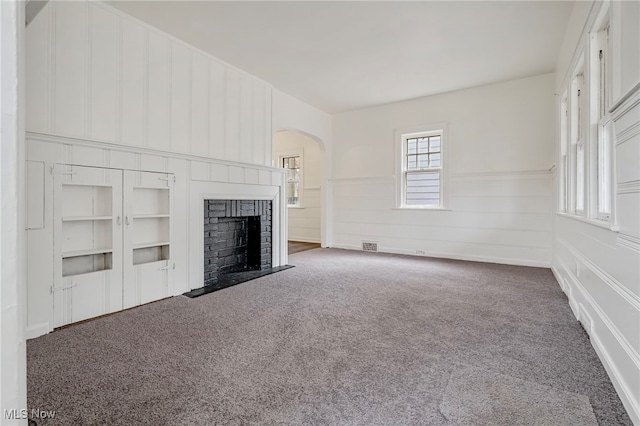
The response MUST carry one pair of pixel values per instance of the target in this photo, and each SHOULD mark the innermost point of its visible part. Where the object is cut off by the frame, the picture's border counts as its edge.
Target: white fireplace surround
(230, 191)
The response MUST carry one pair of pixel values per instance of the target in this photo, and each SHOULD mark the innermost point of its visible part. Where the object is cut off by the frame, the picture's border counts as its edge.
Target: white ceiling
(340, 56)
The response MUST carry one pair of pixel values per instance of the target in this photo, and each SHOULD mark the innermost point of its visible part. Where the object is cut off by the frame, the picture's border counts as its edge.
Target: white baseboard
(37, 330)
(304, 240)
(485, 259)
(577, 298)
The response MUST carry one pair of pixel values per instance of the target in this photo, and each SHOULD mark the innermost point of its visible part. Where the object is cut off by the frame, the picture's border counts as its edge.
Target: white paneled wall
(499, 151)
(494, 217)
(599, 269)
(598, 264)
(304, 223)
(97, 74)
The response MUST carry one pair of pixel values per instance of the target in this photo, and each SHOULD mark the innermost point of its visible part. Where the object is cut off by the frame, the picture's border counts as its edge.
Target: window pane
(423, 145)
(434, 144)
(604, 170)
(293, 175)
(435, 160)
(422, 188)
(411, 162)
(293, 198)
(411, 146)
(580, 177)
(423, 161)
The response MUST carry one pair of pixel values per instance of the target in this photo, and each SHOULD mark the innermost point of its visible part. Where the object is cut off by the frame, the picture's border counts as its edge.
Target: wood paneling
(104, 74)
(304, 223)
(70, 32)
(493, 217)
(134, 82)
(95, 73)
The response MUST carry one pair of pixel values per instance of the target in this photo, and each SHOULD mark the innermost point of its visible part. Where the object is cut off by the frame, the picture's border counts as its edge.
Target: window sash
(423, 187)
(604, 172)
(580, 177)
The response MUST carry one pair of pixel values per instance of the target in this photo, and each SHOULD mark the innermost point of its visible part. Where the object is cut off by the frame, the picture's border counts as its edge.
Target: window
(292, 166)
(586, 177)
(604, 171)
(563, 169)
(577, 144)
(600, 118)
(421, 168)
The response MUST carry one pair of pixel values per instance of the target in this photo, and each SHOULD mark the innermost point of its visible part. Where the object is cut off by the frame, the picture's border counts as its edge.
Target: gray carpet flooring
(343, 338)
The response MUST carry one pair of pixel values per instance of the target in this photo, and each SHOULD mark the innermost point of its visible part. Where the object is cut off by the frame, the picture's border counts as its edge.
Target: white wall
(499, 152)
(95, 73)
(596, 264)
(303, 221)
(13, 389)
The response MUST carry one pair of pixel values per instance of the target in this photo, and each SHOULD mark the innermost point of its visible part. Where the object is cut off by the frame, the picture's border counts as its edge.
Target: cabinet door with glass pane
(87, 242)
(148, 270)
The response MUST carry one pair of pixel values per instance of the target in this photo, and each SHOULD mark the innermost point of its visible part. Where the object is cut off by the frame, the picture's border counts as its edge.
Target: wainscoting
(492, 217)
(598, 266)
(304, 222)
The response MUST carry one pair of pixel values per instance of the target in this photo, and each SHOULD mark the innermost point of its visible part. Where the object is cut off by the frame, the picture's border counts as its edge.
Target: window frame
(600, 124)
(578, 176)
(281, 157)
(402, 135)
(564, 169)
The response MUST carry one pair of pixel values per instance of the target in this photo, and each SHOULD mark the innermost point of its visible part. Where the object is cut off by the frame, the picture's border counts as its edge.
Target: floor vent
(369, 246)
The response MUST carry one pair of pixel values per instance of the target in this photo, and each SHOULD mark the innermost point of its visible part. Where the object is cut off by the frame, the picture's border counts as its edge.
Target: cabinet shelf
(86, 252)
(150, 216)
(150, 244)
(85, 218)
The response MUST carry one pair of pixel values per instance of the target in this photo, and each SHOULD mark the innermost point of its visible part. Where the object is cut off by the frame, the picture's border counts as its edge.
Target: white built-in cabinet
(112, 234)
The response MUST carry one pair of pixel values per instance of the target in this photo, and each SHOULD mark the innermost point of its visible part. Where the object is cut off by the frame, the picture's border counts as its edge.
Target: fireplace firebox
(237, 238)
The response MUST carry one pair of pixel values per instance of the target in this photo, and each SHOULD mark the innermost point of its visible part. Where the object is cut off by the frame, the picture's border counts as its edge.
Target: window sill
(594, 222)
(443, 209)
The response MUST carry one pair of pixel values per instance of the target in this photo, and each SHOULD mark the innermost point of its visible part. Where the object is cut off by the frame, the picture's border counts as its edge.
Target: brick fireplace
(237, 237)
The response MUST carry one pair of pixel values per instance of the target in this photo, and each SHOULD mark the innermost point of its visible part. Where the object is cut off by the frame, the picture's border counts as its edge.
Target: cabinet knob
(119, 221)
(127, 221)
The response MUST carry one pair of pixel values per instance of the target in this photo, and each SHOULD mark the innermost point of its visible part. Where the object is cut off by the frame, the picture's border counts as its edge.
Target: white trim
(629, 242)
(454, 256)
(629, 402)
(501, 174)
(630, 187)
(595, 222)
(363, 179)
(426, 208)
(38, 330)
(139, 150)
(616, 285)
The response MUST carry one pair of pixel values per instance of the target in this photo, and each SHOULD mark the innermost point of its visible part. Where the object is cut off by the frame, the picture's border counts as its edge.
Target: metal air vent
(369, 246)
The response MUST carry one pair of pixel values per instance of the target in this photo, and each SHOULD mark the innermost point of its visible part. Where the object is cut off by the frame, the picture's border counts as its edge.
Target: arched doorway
(302, 155)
